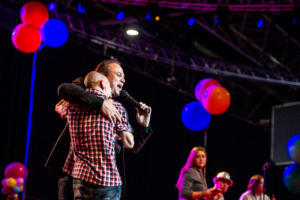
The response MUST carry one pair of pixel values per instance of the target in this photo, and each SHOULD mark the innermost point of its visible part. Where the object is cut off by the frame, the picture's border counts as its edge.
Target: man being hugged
(91, 159)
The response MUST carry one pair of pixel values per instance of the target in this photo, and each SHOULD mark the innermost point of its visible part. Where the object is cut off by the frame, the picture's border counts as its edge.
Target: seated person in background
(255, 189)
(222, 182)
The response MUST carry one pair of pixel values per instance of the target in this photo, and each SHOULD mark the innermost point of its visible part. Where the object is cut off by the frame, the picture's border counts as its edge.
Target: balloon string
(29, 118)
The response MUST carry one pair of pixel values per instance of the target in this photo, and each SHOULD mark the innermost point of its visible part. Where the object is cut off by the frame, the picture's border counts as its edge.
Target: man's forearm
(76, 94)
(141, 136)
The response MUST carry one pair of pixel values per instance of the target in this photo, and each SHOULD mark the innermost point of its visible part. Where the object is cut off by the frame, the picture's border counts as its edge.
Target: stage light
(294, 21)
(80, 8)
(191, 21)
(217, 20)
(148, 15)
(132, 32)
(260, 23)
(52, 6)
(120, 15)
(157, 18)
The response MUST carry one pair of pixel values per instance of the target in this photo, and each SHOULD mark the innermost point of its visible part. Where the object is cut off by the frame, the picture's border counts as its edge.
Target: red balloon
(34, 13)
(216, 100)
(26, 38)
(15, 170)
(6, 190)
(203, 85)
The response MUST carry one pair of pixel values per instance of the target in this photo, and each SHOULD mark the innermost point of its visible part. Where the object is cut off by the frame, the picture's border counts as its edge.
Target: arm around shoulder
(76, 94)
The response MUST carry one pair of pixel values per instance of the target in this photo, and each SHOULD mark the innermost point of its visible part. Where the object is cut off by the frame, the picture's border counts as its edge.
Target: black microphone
(132, 101)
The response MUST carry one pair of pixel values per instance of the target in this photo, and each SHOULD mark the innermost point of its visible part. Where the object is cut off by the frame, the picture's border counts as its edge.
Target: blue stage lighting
(217, 20)
(80, 8)
(294, 21)
(120, 15)
(191, 21)
(148, 16)
(52, 6)
(260, 23)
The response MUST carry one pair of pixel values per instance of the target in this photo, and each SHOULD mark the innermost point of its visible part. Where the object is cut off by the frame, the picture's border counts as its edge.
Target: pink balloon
(15, 170)
(34, 13)
(20, 181)
(4, 181)
(26, 38)
(203, 85)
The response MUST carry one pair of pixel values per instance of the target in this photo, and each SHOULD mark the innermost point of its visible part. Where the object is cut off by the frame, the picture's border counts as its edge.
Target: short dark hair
(103, 66)
(79, 81)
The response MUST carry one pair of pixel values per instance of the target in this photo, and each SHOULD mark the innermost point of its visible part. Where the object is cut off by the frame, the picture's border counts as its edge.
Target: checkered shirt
(92, 154)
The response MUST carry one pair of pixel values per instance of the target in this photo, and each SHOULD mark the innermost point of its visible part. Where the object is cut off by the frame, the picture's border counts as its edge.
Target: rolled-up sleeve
(124, 124)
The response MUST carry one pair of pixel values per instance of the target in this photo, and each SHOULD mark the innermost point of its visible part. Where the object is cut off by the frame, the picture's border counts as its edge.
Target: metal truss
(214, 5)
(265, 47)
(178, 70)
(166, 55)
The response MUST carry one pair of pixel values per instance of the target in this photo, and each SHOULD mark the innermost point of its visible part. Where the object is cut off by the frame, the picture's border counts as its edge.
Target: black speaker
(285, 124)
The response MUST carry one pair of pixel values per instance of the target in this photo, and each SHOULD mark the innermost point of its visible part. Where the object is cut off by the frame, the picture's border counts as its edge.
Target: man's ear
(102, 85)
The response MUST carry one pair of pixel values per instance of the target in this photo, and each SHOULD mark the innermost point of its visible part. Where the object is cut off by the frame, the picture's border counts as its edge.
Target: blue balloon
(54, 33)
(293, 148)
(195, 117)
(291, 178)
(16, 189)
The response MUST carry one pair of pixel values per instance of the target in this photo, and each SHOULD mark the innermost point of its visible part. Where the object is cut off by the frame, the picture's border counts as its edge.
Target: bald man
(91, 159)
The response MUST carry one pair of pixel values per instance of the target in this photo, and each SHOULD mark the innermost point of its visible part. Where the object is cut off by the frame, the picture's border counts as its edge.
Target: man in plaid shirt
(91, 159)
(73, 93)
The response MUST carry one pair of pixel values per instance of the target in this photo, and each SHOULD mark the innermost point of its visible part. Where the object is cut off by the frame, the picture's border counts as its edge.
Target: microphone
(132, 101)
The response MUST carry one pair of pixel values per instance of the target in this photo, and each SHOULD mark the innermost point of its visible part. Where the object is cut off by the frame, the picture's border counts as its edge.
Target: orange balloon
(216, 100)
(11, 182)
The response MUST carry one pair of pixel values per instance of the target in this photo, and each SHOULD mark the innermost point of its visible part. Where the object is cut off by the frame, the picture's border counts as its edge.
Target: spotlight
(52, 6)
(217, 20)
(148, 15)
(260, 23)
(191, 21)
(132, 32)
(294, 21)
(120, 15)
(80, 8)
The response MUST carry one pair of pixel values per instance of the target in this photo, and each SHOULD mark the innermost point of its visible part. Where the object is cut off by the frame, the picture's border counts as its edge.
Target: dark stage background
(233, 144)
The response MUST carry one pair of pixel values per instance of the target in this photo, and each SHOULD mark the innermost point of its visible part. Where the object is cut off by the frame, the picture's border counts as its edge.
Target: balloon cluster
(36, 28)
(212, 99)
(13, 183)
(291, 174)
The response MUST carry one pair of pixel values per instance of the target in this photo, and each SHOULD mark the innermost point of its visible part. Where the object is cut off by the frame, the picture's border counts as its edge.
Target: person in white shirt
(255, 189)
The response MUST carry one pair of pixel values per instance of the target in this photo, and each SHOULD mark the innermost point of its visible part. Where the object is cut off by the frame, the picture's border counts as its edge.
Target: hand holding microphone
(134, 102)
(143, 111)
